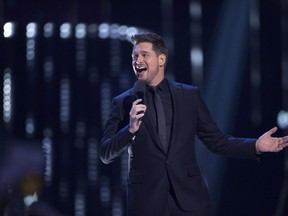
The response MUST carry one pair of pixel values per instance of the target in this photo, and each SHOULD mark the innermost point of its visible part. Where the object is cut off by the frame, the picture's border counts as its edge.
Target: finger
(136, 108)
(137, 101)
(134, 112)
(283, 145)
(140, 108)
(283, 140)
(140, 116)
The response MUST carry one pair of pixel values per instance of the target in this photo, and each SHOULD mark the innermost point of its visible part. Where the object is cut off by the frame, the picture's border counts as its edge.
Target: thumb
(272, 130)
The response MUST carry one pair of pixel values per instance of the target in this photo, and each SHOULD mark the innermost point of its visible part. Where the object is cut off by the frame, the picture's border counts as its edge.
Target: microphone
(139, 90)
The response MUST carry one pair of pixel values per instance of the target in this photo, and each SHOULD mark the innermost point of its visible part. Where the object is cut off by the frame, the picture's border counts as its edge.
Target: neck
(156, 82)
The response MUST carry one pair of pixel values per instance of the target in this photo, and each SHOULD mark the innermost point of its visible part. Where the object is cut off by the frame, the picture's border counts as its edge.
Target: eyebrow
(142, 51)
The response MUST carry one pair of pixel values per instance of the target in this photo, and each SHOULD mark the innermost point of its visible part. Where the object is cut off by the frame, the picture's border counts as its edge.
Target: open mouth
(141, 69)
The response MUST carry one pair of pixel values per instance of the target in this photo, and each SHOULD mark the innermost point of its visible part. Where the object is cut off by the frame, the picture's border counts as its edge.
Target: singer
(157, 121)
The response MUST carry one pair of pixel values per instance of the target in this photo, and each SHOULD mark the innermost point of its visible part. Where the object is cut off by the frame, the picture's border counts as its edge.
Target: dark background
(242, 78)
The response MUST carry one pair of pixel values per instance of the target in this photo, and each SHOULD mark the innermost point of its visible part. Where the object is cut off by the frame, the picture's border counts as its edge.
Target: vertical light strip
(31, 34)
(106, 93)
(255, 76)
(7, 96)
(115, 51)
(283, 115)
(282, 118)
(223, 82)
(80, 35)
(167, 29)
(117, 206)
(65, 98)
(79, 203)
(284, 27)
(105, 191)
(92, 161)
(47, 144)
(196, 52)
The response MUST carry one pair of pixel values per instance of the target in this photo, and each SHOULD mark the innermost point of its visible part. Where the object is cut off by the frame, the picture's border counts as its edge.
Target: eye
(134, 57)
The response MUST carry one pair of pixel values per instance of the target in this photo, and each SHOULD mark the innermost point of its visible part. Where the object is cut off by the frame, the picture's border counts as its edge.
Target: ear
(162, 59)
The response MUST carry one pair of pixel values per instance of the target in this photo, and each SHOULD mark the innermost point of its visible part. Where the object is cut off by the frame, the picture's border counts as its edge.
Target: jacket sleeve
(219, 143)
(116, 137)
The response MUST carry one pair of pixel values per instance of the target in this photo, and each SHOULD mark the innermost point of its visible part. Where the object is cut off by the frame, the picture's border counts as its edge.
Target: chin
(141, 77)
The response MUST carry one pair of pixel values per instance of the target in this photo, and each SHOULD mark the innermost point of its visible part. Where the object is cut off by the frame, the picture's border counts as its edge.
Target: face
(147, 66)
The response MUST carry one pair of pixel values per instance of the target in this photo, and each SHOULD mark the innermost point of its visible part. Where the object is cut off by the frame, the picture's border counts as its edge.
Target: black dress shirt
(165, 95)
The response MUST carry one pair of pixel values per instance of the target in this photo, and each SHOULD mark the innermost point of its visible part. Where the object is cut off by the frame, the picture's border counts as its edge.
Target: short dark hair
(158, 44)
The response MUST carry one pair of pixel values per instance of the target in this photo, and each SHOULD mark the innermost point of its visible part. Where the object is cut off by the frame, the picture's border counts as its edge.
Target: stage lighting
(31, 30)
(282, 119)
(104, 30)
(9, 29)
(80, 31)
(48, 30)
(7, 95)
(66, 30)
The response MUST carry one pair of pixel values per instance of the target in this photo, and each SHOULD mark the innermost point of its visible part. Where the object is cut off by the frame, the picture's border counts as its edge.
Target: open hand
(267, 143)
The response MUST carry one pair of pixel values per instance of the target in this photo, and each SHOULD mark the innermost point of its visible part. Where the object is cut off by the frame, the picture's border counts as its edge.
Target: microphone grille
(139, 86)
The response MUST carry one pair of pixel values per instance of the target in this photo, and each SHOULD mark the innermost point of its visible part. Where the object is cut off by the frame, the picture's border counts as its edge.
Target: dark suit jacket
(151, 168)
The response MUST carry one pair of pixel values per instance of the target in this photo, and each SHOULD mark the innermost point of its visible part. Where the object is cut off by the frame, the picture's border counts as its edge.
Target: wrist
(131, 131)
(257, 148)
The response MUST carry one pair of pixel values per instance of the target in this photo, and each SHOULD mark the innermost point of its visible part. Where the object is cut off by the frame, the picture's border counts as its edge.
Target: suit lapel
(175, 89)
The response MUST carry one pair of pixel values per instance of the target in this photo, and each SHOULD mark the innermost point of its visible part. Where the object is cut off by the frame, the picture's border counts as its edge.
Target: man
(164, 178)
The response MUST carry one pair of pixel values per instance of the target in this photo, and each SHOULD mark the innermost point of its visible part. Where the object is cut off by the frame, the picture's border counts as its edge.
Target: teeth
(141, 68)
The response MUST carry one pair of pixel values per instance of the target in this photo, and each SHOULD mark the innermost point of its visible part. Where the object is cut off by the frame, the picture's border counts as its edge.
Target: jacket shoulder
(183, 86)
(123, 95)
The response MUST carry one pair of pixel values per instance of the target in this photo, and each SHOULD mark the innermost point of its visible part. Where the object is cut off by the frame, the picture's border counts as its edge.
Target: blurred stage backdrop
(62, 61)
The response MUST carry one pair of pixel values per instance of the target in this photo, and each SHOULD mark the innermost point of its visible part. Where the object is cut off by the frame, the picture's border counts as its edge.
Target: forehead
(143, 47)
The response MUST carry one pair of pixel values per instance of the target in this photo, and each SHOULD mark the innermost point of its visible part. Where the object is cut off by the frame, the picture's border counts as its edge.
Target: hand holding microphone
(138, 108)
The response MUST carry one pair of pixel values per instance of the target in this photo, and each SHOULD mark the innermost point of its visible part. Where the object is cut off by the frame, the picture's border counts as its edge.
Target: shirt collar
(162, 86)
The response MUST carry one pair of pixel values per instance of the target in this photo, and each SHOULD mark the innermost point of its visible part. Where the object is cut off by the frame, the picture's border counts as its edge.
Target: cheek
(153, 64)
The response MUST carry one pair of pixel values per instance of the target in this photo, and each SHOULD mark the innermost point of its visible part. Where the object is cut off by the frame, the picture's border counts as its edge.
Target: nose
(138, 60)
